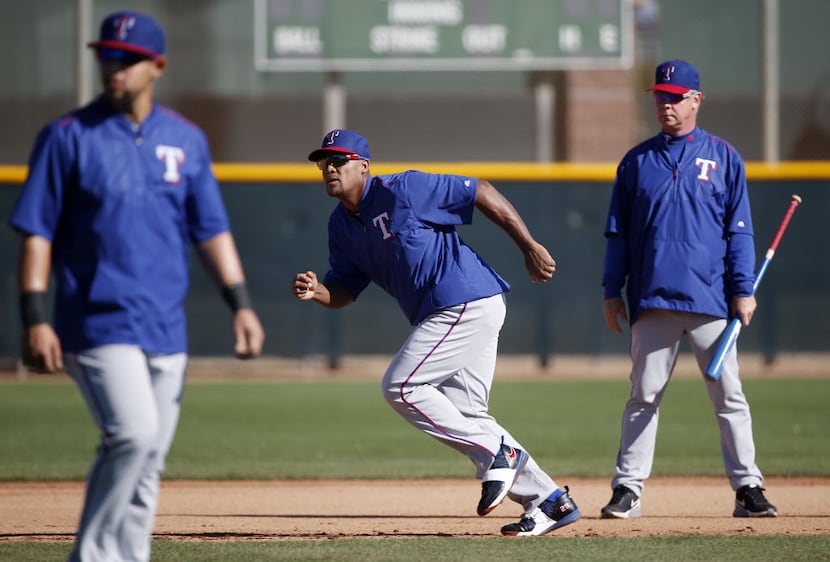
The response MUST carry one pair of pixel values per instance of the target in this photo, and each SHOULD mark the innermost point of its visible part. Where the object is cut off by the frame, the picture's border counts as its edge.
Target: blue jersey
(403, 238)
(679, 227)
(121, 203)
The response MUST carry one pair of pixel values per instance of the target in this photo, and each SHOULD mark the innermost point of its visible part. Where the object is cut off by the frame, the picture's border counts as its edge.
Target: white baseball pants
(440, 382)
(134, 399)
(655, 340)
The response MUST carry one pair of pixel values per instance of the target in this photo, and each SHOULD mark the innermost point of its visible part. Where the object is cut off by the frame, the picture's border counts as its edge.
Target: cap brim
(669, 88)
(323, 152)
(130, 48)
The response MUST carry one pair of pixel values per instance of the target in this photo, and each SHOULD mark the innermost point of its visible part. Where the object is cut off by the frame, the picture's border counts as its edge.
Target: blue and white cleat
(500, 477)
(551, 514)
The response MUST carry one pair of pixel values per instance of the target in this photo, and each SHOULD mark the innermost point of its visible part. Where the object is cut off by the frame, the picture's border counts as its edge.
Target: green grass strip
(337, 429)
(462, 549)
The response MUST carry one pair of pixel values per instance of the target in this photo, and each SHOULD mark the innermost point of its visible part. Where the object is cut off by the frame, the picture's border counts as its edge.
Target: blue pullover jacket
(679, 231)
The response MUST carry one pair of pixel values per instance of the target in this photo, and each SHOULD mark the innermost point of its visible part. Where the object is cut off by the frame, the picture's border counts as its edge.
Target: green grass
(686, 548)
(345, 430)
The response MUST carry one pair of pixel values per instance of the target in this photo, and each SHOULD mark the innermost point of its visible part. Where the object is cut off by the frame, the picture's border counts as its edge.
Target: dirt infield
(329, 509)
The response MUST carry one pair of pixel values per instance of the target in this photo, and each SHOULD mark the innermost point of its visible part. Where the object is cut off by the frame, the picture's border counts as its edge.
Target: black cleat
(750, 502)
(624, 504)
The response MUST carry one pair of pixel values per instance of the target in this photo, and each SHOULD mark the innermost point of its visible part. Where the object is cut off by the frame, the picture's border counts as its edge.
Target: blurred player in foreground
(679, 233)
(116, 192)
(399, 231)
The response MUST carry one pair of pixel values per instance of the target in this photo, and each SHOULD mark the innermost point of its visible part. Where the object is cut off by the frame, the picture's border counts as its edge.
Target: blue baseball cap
(341, 141)
(133, 32)
(675, 77)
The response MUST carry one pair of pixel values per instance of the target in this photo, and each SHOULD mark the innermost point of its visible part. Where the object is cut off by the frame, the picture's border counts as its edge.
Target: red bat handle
(794, 201)
(733, 328)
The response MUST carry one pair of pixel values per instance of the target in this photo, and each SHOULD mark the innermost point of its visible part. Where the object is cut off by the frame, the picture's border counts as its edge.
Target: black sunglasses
(666, 97)
(336, 160)
(125, 58)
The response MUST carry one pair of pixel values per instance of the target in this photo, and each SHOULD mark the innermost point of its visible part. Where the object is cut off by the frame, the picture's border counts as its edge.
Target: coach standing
(679, 233)
(116, 192)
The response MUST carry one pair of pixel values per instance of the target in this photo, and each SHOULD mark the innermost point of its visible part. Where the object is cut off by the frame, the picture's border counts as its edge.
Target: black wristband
(236, 296)
(33, 308)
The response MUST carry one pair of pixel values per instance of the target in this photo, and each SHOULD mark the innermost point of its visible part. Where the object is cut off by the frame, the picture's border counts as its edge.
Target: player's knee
(136, 437)
(392, 395)
(401, 398)
(406, 399)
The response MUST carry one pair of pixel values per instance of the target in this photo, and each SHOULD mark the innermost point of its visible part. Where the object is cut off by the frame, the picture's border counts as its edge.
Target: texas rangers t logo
(705, 166)
(382, 221)
(331, 136)
(124, 25)
(172, 156)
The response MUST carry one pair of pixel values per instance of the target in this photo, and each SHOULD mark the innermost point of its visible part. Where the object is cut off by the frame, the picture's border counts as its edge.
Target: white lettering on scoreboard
(434, 29)
(294, 40)
(570, 38)
(484, 39)
(447, 12)
(413, 28)
(609, 38)
(403, 39)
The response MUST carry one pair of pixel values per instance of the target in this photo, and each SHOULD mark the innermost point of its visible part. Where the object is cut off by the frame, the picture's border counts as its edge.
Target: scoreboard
(458, 35)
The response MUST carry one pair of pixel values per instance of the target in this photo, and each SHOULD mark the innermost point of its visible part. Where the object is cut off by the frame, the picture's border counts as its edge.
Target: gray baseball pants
(134, 399)
(440, 382)
(655, 340)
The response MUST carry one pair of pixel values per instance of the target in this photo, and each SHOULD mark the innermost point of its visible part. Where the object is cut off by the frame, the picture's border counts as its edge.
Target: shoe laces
(527, 522)
(619, 493)
(754, 494)
(500, 460)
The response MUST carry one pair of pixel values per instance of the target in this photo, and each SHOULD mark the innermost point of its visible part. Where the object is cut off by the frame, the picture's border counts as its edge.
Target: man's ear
(161, 66)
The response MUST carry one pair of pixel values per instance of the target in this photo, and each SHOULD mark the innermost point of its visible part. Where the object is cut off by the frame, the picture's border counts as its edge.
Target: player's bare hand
(304, 285)
(614, 310)
(539, 263)
(41, 349)
(248, 334)
(744, 308)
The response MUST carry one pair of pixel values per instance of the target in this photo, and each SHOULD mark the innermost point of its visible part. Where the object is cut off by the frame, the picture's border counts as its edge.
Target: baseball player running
(679, 237)
(399, 231)
(117, 190)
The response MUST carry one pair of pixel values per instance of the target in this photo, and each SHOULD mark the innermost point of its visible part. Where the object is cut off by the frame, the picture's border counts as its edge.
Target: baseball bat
(730, 335)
